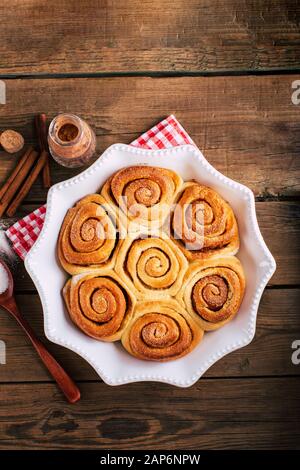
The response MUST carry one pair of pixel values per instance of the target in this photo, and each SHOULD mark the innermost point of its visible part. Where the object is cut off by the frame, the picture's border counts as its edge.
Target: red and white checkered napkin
(167, 133)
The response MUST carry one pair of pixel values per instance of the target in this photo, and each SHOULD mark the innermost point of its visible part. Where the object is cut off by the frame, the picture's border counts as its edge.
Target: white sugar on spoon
(4, 280)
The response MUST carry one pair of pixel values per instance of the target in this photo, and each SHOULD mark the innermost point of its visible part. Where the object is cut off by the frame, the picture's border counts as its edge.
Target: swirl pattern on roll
(213, 291)
(143, 193)
(161, 331)
(151, 266)
(203, 223)
(88, 236)
(99, 304)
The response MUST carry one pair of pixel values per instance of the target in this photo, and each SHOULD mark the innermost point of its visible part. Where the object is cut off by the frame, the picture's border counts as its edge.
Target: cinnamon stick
(46, 173)
(27, 184)
(15, 184)
(41, 129)
(16, 170)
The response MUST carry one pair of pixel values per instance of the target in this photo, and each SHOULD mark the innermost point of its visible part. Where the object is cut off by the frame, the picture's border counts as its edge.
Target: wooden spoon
(62, 379)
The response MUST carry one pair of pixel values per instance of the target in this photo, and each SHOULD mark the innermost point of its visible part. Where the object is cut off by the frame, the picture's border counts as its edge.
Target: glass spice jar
(72, 142)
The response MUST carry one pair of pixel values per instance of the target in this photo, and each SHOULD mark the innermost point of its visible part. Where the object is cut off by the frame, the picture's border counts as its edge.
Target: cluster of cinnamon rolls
(152, 262)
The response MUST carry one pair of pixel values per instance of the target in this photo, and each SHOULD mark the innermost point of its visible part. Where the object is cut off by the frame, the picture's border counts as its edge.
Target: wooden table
(225, 68)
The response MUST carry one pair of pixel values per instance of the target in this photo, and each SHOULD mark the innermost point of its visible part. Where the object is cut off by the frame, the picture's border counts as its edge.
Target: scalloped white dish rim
(256, 258)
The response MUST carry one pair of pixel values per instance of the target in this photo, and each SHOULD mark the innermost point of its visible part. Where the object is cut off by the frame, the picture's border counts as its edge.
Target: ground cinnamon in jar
(68, 132)
(72, 142)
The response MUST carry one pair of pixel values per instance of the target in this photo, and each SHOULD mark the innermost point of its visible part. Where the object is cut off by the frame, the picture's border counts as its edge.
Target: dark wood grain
(125, 36)
(247, 127)
(226, 414)
(278, 221)
(269, 354)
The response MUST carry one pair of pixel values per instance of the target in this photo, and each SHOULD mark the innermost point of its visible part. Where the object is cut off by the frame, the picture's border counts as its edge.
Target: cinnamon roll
(89, 236)
(161, 331)
(99, 304)
(213, 290)
(143, 194)
(203, 224)
(151, 265)
(149, 273)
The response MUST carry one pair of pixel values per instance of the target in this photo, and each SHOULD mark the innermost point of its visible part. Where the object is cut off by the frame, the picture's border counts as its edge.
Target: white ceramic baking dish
(113, 364)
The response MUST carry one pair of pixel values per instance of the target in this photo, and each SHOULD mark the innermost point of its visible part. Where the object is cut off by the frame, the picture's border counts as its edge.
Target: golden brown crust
(213, 290)
(99, 304)
(134, 280)
(203, 223)
(88, 236)
(151, 265)
(143, 194)
(161, 331)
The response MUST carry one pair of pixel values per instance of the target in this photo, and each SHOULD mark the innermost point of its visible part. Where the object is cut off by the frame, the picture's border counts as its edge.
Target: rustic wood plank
(218, 414)
(269, 354)
(125, 36)
(247, 127)
(280, 226)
